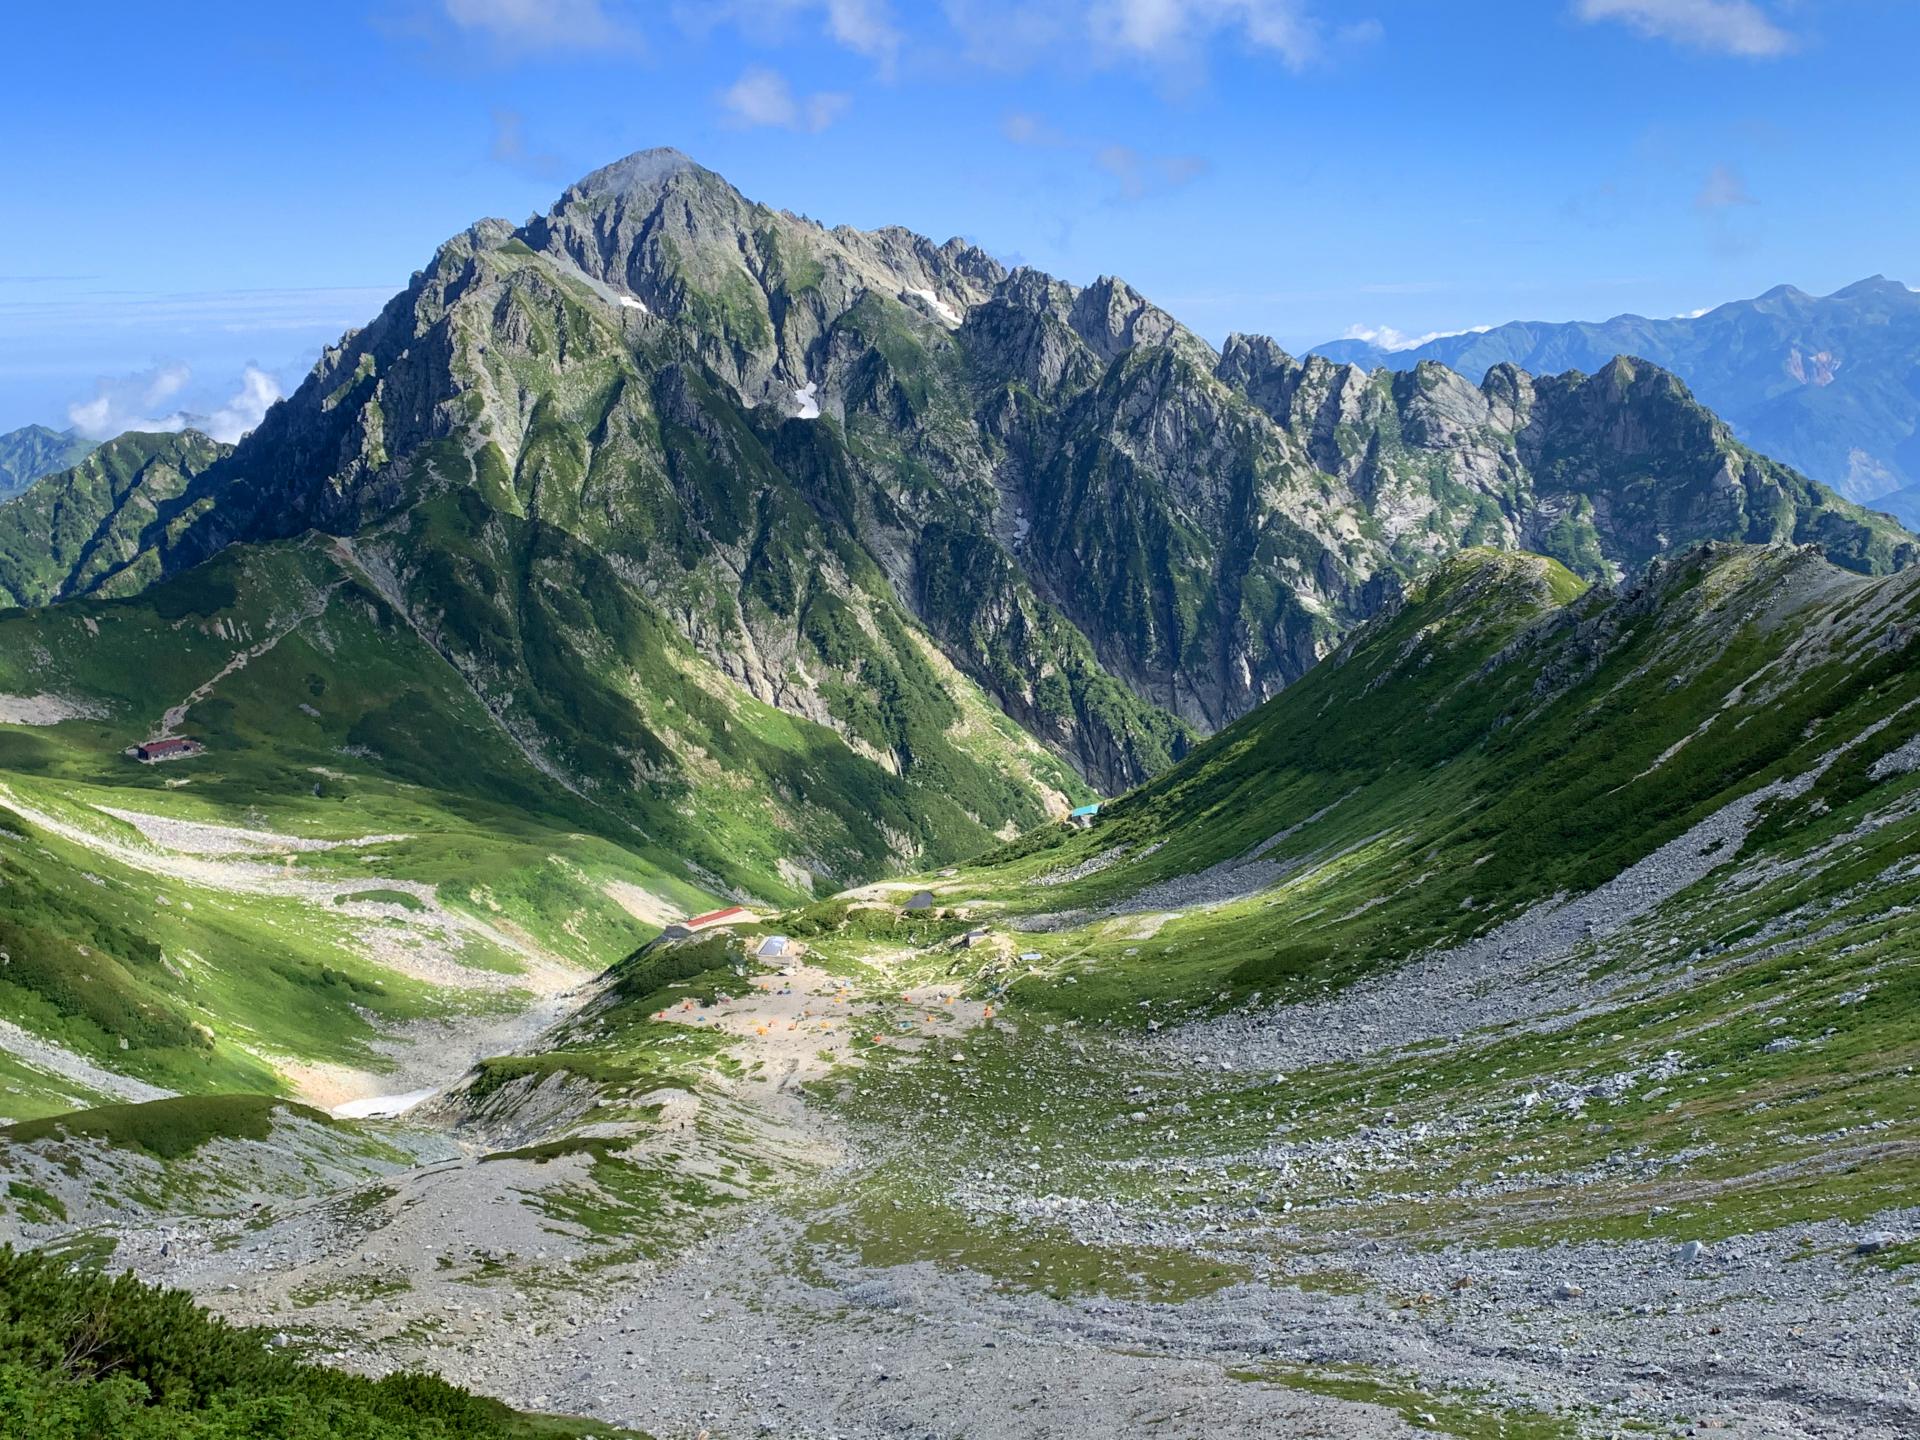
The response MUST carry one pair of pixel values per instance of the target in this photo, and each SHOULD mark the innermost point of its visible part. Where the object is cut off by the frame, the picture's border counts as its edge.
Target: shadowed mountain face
(850, 471)
(1829, 384)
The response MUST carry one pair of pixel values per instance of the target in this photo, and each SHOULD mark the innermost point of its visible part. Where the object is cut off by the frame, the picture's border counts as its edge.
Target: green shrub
(167, 1129)
(86, 1356)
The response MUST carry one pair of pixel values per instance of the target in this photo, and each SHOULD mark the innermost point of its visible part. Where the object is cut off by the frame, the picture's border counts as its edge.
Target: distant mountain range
(1830, 384)
(35, 450)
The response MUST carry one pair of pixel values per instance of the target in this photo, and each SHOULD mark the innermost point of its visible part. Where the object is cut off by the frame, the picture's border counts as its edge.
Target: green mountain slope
(35, 450)
(320, 875)
(1540, 961)
(103, 521)
(1505, 736)
(1540, 954)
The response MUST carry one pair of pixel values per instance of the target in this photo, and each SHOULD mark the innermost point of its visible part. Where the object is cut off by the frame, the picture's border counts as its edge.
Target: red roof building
(718, 917)
(165, 749)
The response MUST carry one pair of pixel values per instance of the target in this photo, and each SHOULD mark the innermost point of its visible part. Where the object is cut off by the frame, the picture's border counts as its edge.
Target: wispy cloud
(1169, 37)
(228, 312)
(1140, 175)
(865, 27)
(510, 148)
(519, 26)
(1160, 30)
(1722, 203)
(1726, 27)
(762, 97)
(137, 402)
(1134, 173)
(1723, 189)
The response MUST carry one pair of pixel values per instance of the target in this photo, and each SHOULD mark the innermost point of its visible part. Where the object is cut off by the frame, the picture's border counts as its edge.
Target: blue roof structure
(1093, 809)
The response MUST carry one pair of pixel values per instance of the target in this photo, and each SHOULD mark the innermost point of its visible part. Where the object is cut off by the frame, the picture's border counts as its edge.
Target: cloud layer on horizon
(122, 403)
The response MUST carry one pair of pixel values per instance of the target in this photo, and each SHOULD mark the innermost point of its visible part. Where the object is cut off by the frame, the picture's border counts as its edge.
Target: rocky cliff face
(810, 452)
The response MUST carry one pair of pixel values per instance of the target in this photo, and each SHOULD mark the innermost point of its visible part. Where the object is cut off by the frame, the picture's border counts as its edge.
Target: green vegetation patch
(166, 1129)
(600, 1147)
(887, 1231)
(1443, 1412)
(596, 1069)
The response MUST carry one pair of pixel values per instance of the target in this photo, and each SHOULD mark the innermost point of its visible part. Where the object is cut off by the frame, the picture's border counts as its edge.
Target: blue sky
(193, 191)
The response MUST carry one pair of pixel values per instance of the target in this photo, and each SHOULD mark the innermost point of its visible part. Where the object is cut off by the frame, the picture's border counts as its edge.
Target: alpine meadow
(720, 825)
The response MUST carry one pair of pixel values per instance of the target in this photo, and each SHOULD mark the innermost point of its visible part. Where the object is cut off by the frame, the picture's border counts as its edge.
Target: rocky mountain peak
(642, 171)
(1260, 369)
(1247, 353)
(1877, 287)
(1029, 289)
(1509, 392)
(1112, 317)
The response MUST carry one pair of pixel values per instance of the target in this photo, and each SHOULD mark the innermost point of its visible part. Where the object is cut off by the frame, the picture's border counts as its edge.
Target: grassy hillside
(35, 450)
(318, 875)
(1432, 1009)
(1504, 737)
(104, 516)
(376, 835)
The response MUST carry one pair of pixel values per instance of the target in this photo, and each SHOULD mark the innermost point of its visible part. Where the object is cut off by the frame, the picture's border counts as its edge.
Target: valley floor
(994, 1228)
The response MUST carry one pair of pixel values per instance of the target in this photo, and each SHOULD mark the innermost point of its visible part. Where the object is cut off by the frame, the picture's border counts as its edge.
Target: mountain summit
(641, 170)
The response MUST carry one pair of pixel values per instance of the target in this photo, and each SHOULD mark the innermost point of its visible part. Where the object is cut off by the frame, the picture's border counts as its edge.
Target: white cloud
(1158, 30)
(117, 400)
(134, 402)
(248, 407)
(864, 27)
(762, 97)
(1172, 37)
(1693, 314)
(1385, 337)
(521, 25)
(1727, 27)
